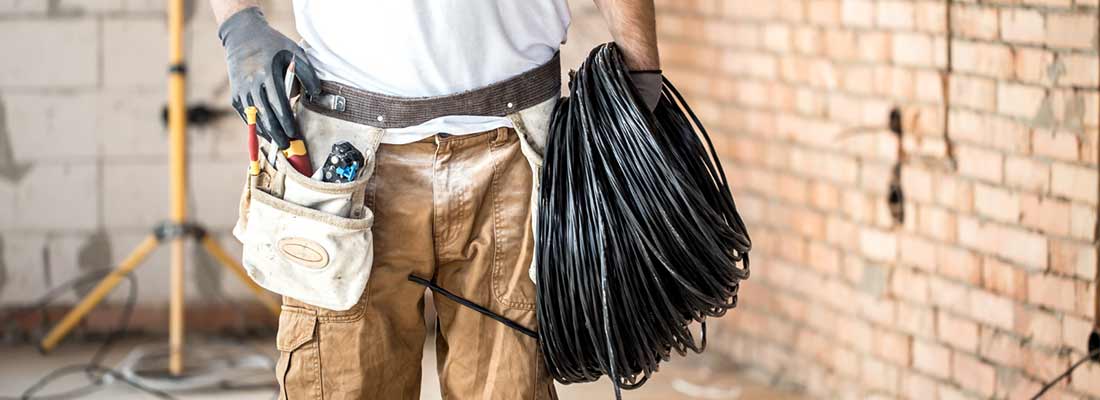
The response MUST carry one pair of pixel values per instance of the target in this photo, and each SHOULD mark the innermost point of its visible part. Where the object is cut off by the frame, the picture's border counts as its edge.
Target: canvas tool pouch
(304, 238)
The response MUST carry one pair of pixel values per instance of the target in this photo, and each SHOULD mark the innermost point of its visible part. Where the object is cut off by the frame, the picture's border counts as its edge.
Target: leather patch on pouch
(303, 251)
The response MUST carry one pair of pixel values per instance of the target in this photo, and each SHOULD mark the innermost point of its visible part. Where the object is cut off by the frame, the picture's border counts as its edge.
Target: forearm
(223, 9)
(633, 25)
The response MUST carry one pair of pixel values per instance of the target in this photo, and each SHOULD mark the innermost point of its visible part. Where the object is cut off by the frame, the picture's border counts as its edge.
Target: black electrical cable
(638, 234)
(1065, 374)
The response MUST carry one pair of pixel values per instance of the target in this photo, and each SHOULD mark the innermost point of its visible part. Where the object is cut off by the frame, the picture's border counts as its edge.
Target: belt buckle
(331, 101)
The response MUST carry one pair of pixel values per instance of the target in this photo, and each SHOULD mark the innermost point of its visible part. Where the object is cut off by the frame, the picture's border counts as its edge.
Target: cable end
(1094, 344)
(250, 115)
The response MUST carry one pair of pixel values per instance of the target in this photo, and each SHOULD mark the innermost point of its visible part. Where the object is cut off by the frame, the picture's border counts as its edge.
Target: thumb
(306, 74)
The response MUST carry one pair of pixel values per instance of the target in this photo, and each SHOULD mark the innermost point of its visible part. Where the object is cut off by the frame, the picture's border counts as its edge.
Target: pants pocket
(298, 370)
(513, 233)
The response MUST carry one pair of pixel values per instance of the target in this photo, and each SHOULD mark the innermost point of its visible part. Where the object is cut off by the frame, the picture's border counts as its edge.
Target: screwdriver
(295, 153)
(253, 142)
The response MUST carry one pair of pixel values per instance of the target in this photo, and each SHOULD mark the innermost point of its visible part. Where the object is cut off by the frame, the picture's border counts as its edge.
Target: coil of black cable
(638, 234)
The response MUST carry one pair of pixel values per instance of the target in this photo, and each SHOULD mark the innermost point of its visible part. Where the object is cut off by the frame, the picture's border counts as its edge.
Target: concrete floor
(686, 378)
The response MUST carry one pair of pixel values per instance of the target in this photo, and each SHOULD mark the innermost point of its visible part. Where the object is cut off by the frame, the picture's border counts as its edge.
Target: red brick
(1029, 249)
(1022, 26)
(992, 309)
(986, 59)
(932, 359)
(909, 285)
(959, 333)
(1001, 349)
(1033, 65)
(960, 264)
(1051, 291)
(1048, 215)
(1074, 31)
(937, 223)
(980, 163)
(973, 374)
(879, 375)
(894, 14)
(1041, 327)
(878, 309)
(1021, 101)
(1055, 144)
(1084, 292)
(777, 38)
(918, 252)
(974, 22)
(1087, 379)
(823, 12)
(913, 50)
(955, 193)
(1075, 332)
(857, 13)
(824, 259)
(931, 16)
(974, 92)
(874, 46)
(1074, 182)
(917, 320)
(1027, 174)
(893, 347)
(997, 204)
(1081, 70)
(878, 245)
(1082, 222)
(1004, 279)
(915, 386)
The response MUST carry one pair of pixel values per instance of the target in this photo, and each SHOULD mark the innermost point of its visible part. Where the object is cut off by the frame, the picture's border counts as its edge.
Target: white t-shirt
(418, 48)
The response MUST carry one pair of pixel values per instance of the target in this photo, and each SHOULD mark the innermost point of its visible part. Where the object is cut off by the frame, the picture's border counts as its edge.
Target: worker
(462, 91)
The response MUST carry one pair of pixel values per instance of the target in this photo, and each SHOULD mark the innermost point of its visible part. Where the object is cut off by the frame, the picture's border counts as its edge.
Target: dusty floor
(681, 379)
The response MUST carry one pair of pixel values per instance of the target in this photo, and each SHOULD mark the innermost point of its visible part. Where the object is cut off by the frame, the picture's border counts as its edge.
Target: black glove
(258, 58)
(649, 85)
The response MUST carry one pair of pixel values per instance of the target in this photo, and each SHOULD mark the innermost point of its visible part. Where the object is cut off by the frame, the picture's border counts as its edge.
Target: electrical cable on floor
(96, 373)
(638, 234)
(99, 375)
(1065, 374)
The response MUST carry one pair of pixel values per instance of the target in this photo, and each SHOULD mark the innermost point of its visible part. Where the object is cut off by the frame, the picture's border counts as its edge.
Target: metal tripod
(176, 230)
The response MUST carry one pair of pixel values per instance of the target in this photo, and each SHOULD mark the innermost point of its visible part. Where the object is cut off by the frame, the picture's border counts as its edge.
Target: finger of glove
(276, 94)
(244, 101)
(280, 107)
(306, 74)
(239, 108)
(267, 121)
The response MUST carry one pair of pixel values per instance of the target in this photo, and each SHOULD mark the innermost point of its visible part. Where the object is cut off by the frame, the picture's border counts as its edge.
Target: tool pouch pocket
(307, 239)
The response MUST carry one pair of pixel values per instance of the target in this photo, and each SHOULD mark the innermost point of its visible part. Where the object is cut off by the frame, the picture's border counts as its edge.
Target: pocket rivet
(381, 118)
(510, 105)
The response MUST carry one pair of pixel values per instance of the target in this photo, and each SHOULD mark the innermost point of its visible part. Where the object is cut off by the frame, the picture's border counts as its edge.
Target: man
(461, 92)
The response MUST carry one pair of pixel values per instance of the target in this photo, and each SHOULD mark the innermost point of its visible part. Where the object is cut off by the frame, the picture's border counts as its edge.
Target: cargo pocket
(307, 239)
(513, 236)
(298, 370)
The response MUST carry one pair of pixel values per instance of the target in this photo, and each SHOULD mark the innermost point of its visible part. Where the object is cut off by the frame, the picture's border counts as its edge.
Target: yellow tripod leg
(216, 250)
(98, 293)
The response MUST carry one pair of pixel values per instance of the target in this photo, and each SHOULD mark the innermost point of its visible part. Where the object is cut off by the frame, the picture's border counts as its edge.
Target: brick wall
(984, 289)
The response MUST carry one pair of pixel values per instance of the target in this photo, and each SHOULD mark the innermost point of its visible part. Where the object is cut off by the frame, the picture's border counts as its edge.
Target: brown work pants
(453, 207)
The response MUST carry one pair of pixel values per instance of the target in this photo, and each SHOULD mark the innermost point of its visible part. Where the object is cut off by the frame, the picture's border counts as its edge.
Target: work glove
(258, 58)
(648, 83)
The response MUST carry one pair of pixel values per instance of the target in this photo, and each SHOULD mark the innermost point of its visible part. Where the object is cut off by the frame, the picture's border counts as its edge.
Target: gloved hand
(648, 84)
(258, 58)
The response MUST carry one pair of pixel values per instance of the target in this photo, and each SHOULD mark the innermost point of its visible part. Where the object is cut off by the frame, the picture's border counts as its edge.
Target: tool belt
(311, 240)
(496, 100)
